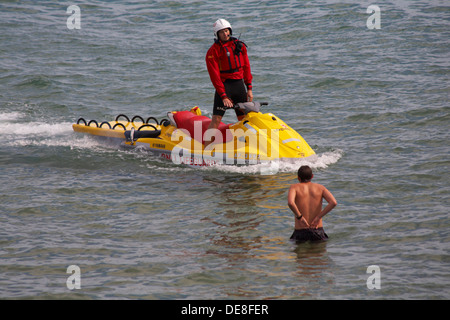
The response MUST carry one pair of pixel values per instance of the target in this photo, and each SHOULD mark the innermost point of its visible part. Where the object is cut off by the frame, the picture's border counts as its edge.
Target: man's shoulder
(317, 185)
(214, 47)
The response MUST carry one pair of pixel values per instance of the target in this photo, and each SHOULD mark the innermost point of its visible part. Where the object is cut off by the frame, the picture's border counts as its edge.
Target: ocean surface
(372, 102)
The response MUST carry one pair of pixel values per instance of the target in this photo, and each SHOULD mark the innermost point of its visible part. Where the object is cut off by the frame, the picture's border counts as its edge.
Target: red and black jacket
(228, 60)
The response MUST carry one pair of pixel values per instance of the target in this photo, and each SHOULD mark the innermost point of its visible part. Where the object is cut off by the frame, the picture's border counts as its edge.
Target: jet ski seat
(188, 120)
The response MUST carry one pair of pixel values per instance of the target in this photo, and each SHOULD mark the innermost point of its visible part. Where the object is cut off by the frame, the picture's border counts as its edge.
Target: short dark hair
(305, 173)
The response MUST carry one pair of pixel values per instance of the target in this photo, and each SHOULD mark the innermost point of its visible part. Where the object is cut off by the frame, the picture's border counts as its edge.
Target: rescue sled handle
(247, 107)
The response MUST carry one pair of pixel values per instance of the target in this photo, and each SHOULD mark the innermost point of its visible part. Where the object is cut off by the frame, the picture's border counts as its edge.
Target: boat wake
(317, 161)
(15, 131)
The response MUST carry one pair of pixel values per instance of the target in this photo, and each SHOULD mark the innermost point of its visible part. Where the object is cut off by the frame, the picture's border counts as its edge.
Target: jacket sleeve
(212, 64)
(247, 70)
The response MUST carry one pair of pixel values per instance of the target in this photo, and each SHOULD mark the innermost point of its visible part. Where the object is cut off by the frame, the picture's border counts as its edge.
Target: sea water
(371, 99)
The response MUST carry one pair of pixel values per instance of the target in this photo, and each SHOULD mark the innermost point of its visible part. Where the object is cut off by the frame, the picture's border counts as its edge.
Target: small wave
(36, 81)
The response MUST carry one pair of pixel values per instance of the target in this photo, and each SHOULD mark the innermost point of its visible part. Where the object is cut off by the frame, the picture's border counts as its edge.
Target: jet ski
(257, 138)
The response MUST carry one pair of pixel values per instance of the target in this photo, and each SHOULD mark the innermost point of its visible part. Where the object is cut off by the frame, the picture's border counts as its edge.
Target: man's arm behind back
(331, 203)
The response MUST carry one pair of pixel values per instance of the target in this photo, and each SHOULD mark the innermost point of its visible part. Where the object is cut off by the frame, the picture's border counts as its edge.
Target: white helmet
(220, 25)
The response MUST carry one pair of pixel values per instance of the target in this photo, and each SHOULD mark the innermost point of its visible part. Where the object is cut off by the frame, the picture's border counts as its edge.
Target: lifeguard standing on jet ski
(230, 73)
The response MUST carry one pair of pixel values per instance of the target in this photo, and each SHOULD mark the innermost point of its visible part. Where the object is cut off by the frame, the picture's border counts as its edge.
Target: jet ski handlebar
(253, 106)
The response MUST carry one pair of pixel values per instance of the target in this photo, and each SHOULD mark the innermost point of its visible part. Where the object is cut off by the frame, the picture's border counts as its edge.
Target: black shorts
(235, 90)
(309, 234)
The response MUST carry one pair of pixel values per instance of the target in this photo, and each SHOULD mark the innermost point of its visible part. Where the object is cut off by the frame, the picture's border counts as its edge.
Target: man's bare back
(305, 201)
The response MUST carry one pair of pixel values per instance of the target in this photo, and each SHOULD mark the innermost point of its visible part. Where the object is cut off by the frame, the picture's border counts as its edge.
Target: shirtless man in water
(305, 201)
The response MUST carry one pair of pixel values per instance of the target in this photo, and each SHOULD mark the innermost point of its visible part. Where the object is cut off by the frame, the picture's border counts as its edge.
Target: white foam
(318, 161)
(22, 134)
(34, 129)
(10, 116)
